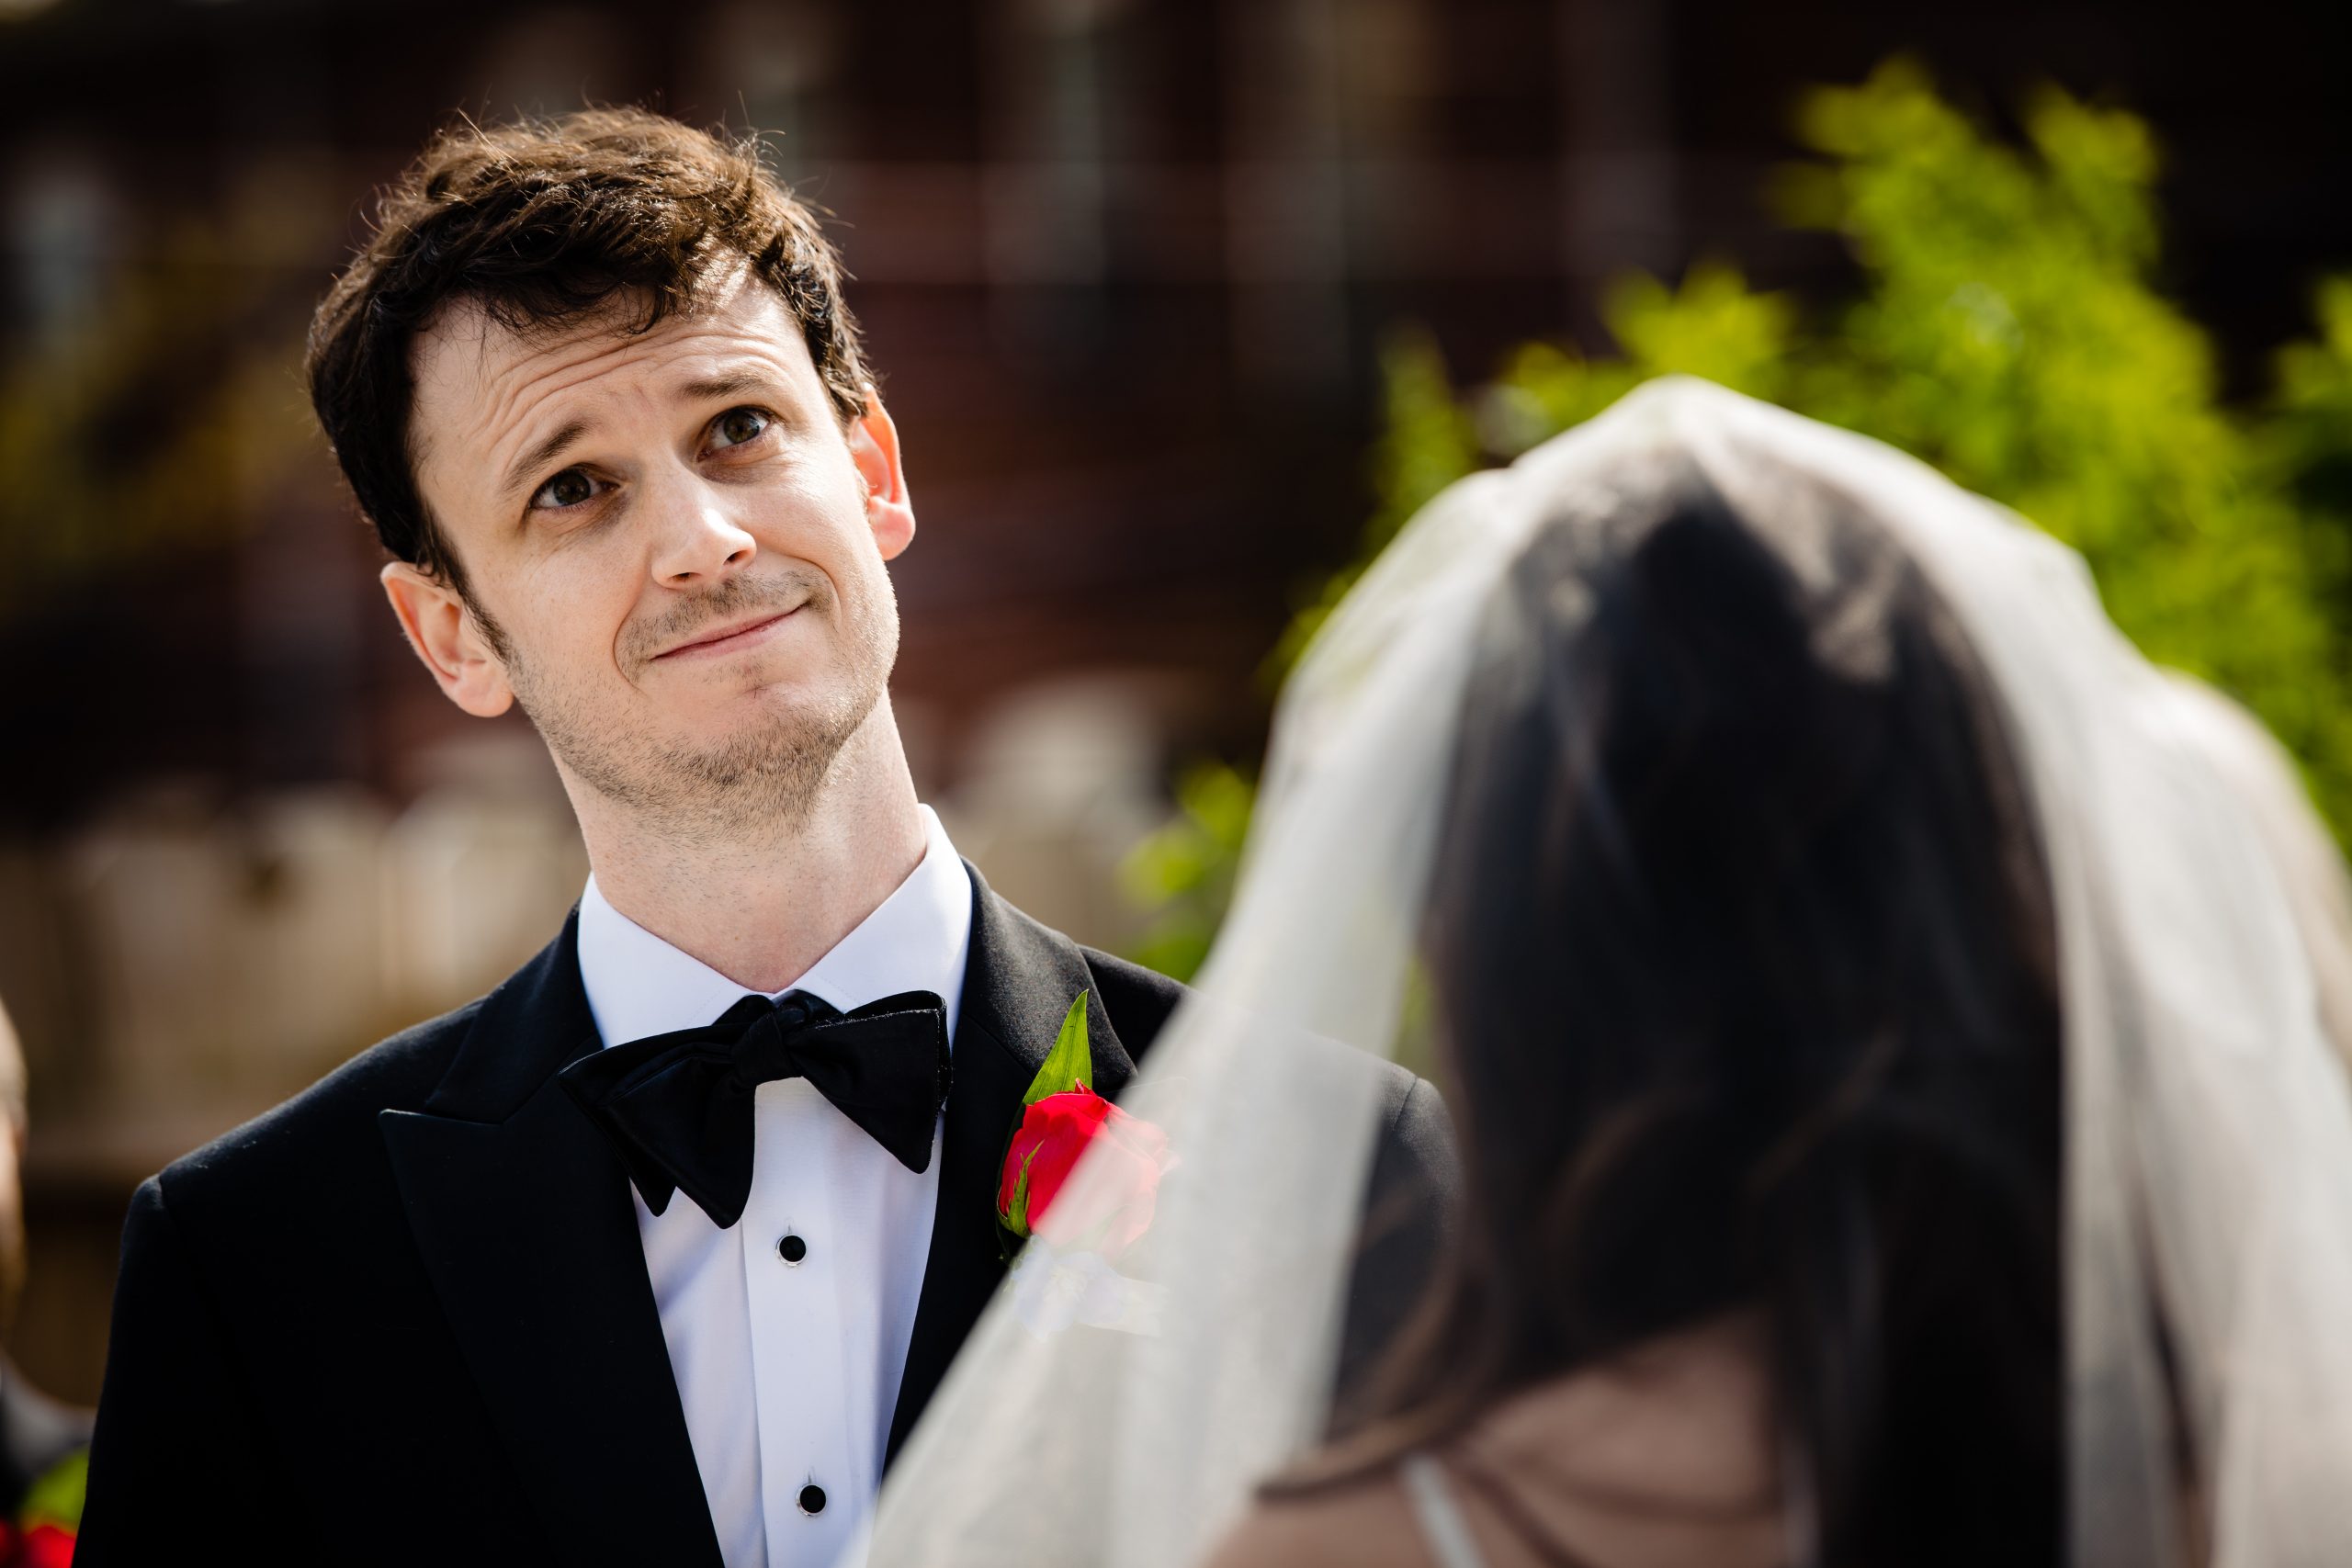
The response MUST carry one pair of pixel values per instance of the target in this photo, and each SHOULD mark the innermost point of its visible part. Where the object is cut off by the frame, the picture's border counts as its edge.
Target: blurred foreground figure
(42, 1442)
(1897, 1120)
(655, 1254)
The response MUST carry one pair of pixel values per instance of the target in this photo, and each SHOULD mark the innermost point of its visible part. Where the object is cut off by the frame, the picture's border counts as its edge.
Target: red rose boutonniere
(41, 1536)
(1054, 1132)
(1067, 1277)
(43, 1545)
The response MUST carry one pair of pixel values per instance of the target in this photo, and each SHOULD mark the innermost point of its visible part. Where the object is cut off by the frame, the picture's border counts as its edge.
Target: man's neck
(762, 905)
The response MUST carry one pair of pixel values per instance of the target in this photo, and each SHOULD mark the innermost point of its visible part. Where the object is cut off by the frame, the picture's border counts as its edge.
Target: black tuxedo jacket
(404, 1317)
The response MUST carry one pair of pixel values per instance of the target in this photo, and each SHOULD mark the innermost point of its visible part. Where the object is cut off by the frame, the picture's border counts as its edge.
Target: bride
(1889, 1074)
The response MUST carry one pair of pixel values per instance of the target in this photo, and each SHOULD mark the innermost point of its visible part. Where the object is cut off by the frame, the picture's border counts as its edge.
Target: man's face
(681, 548)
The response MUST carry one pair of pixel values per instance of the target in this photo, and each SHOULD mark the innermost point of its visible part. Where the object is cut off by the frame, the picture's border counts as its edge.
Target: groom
(474, 1298)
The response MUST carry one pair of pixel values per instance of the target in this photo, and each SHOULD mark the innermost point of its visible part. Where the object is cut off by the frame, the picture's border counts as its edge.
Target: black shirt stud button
(812, 1499)
(792, 1249)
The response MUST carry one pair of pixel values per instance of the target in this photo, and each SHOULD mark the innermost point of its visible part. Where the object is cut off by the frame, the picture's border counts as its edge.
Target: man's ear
(874, 447)
(448, 640)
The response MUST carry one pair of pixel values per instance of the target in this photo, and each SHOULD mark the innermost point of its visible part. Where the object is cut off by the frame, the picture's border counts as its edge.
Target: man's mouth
(720, 640)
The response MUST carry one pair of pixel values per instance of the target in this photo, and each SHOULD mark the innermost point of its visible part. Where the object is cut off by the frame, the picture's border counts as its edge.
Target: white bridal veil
(2209, 1132)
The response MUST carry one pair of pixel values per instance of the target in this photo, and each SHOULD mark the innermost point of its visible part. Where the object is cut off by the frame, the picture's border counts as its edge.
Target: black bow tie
(678, 1107)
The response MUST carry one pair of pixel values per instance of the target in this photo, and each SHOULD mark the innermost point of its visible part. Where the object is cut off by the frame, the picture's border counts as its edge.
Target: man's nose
(699, 543)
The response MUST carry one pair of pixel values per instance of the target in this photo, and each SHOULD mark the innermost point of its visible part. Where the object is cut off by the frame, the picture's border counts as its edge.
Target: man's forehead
(489, 384)
(467, 347)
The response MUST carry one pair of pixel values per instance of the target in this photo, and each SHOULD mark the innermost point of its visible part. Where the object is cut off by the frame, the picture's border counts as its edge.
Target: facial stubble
(769, 775)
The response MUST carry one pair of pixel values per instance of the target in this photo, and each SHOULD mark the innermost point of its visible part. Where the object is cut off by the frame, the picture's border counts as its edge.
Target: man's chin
(765, 748)
(775, 736)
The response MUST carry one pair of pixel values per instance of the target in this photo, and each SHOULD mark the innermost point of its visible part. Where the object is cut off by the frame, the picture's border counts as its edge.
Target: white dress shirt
(789, 1372)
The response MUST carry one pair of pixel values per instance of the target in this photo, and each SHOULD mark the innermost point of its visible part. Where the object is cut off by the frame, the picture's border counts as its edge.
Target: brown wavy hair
(1745, 974)
(548, 224)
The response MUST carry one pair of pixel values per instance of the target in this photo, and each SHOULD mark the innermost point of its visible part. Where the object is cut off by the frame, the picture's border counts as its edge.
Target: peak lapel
(524, 1219)
(1017, 982)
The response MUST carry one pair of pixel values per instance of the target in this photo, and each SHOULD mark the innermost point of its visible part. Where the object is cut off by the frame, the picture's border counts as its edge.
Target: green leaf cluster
(2010, 331)
(2008, 328)
(1182, 872)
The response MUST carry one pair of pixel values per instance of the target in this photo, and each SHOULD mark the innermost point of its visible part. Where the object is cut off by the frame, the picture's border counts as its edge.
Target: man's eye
(737, 426)
(569, 488)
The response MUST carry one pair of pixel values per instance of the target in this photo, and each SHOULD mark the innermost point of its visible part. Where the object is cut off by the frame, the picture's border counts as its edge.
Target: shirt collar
(918, 940)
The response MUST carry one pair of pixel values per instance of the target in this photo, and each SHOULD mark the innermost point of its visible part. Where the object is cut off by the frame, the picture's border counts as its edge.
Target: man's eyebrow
(539, 457)
(728, 384)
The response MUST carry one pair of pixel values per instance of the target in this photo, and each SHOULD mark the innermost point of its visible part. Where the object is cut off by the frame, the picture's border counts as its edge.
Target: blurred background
(1182, 305)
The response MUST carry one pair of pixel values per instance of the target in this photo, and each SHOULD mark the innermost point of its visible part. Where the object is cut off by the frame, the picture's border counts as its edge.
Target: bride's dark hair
(1744, 970)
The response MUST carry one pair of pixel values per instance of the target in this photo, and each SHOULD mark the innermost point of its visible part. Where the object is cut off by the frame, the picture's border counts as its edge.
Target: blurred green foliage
(2008, 329)
(1183, 872)
(55, 1496)
(160, 418)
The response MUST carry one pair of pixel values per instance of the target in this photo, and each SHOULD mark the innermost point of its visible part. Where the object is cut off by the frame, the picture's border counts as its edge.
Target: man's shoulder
(326, 1131)
(1139, 1002)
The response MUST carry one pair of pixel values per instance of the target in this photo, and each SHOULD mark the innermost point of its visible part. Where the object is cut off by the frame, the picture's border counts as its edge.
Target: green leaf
(1070, 1063)
(1017, 1220)
(55, 1496)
